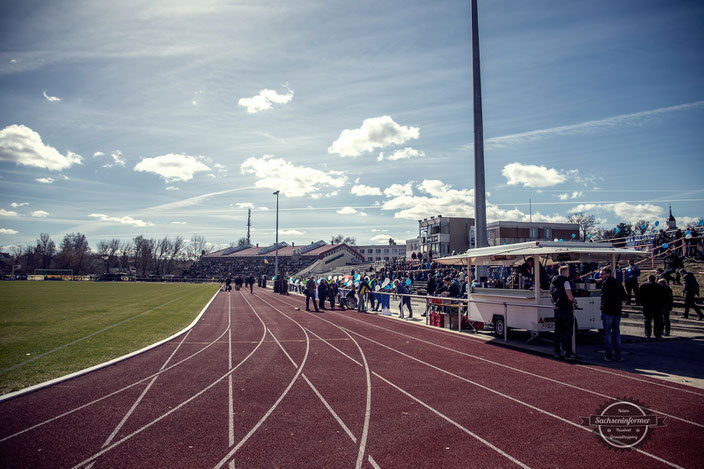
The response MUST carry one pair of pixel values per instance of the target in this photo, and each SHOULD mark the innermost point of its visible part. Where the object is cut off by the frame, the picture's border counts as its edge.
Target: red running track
(259, 383)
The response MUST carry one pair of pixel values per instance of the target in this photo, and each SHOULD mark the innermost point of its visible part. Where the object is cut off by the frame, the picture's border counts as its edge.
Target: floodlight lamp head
(276, 193)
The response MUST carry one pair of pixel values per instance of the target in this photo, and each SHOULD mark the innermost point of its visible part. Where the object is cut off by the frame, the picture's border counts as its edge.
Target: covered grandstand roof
(286, 251)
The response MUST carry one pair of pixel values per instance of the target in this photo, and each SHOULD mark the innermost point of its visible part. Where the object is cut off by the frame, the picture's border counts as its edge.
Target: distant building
(509, 232)
(381, 252)
(440, 236)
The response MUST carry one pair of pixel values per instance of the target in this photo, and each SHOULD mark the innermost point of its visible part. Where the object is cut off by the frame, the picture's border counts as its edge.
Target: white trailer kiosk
(532, 309)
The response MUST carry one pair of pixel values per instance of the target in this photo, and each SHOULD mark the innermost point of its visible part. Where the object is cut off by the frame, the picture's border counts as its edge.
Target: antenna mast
(249, 223)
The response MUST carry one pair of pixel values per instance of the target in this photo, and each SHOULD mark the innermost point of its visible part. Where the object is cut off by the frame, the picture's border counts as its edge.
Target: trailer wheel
(499, 326)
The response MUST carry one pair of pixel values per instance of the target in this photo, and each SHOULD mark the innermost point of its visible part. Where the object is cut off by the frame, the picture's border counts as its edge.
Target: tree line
(140, 255)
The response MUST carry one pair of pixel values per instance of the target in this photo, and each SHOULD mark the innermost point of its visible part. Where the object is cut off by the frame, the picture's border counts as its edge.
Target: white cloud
(179, 223)
(8, 231)
(53, 99)
(291, 180)
(221, 168)
(381, 238)
(24, 146)
(347, 211)
(532, 176)
(406, 153)
(7, 213)
(574, 195)
(98, 154)
(245, 205)
(397, 190)
(117, 158)
(21, 204)
(120, 220)
(40, 214)
(375, 132)
(264, 100)
(624, 211)
(45, 180)
(171, 188)
(362, 190)
(290, 233)
(172, 167)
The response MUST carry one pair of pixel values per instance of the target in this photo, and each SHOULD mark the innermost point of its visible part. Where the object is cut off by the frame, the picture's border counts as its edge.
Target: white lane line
(367, 411)
(88, 404)
(600, 370)
(327, 405)
(435, 411)
(187, 401)
(518, 370)
(138, 401)
(505, 396)
(230, 396)
(273, 407)
(487, 388)
(73, 342)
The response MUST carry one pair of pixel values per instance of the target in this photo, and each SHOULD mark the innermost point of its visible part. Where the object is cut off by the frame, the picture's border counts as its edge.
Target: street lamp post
(276, 259)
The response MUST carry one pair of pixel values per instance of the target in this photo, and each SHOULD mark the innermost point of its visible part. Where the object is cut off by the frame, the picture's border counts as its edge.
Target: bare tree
(46, 249)
(586, 223)
(143, 249)
(107, 251)
(242, 242)
(197, 247)
(341, 239)
(177, 246)
(73, 252)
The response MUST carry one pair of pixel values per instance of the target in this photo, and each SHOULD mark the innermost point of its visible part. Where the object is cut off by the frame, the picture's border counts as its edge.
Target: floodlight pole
(479, 184)
(276, 261)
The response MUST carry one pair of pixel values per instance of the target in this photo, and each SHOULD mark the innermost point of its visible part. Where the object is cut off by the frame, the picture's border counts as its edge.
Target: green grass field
(39, 317)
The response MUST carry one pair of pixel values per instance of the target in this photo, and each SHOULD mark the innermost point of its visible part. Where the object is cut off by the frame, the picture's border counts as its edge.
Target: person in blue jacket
(631, 282)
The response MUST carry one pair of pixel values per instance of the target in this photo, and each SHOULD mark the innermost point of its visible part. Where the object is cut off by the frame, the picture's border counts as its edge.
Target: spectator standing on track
(667, 309)
(250, 281)
(310, 294)
(691, 290)
(228, 283)
(333, 291)
(238, 283)
(322, 292)
(362, 291)
(612, 295)
(561, 292)
(631, 280)
(653, 298)
(400, 289)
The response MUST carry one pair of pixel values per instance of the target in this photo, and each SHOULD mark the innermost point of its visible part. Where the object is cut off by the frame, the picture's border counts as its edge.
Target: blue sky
(173, 118)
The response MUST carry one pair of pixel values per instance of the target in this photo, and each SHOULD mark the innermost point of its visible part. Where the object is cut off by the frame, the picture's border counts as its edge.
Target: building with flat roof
(510, 232)
(381, 252)
(440, 236)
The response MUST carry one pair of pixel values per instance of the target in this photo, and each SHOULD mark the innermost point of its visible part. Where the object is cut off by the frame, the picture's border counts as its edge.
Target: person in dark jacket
(653, 298)
(322, 292)
(673, 264)
(691, 290)
(250, 281)
(310, 293)
(561, 292)
(631, 280)
(667, 309)
(612, 294)
(333, 291)
(526, 270)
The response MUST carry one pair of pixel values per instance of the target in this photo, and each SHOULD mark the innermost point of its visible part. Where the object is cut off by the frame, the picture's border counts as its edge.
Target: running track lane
(336, 389)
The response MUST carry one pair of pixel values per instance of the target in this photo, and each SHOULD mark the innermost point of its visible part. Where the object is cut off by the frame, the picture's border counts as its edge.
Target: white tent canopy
(510, 254)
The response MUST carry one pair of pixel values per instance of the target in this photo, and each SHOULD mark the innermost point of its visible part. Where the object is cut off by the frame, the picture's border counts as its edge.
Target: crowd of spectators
(219, 268)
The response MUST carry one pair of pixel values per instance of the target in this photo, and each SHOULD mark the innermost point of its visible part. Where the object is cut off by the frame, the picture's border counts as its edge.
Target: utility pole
(479, 184)
(249, 223)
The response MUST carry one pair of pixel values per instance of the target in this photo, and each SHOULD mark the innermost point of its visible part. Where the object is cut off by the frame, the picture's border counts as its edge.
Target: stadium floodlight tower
(481, 240)
(276, 258)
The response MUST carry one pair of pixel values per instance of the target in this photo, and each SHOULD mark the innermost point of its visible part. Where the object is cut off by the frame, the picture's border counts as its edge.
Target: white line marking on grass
(73, 342)
(119, 390)
(187, 401)
(273, 407)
